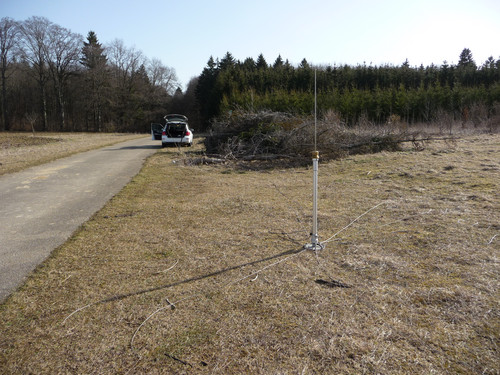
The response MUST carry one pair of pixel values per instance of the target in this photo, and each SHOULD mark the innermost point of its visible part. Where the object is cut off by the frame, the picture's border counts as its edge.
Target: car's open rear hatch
(175, 130)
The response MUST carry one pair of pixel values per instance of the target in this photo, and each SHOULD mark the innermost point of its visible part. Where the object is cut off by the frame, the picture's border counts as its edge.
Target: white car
(176, 131)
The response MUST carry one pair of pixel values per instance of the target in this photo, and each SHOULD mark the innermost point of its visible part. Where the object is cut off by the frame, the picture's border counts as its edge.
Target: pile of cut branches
(270, 135)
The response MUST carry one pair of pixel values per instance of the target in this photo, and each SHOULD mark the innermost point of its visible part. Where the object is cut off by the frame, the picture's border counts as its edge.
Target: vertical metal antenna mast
(315, 114)
(315, 245)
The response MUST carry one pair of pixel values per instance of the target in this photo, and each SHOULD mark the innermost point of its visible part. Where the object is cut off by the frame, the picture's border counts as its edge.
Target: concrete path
(42, 206)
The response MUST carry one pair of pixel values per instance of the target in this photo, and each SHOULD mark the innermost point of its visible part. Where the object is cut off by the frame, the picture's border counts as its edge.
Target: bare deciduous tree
(31, 118)
(8, 40)
(62, 52)
(35, 33)
(109, 89)
(162, 76)
(125, 61)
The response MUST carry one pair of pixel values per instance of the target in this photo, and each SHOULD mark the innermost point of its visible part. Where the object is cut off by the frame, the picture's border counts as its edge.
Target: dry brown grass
(22, 150)
(422, 269)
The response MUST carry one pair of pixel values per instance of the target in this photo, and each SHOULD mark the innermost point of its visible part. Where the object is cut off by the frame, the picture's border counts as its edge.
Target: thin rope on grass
(351, 223)
(264, 268)
(169, 268)
(291, 203)
(79, 309)
(252, 274)
(170, 305)
(173, 305)
(231, 283)
(107, 299)
(256, 273)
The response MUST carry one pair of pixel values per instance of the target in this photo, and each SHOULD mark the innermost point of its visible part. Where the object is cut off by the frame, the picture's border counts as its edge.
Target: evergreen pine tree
(261, 62)
(465, 59)
(227, 61)
(278, 63)
(95, 63)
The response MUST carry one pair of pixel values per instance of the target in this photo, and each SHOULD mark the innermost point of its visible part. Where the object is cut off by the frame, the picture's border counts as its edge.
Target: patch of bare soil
(196, 269)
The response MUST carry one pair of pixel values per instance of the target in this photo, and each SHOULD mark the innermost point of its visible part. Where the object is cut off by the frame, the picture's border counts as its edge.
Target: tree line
(55, 80)
(356, 93)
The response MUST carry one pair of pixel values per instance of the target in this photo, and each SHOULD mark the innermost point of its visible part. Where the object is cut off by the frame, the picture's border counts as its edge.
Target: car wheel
(163, 145)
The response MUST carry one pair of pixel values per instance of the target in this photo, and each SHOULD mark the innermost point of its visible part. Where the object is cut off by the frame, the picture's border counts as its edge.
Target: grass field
(22, 150)
(201, 270)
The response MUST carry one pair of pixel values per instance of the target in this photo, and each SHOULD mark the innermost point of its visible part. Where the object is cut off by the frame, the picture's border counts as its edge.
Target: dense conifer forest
(358, 93)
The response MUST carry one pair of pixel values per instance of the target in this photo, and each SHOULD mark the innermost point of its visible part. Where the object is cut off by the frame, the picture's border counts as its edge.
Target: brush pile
(270, 135)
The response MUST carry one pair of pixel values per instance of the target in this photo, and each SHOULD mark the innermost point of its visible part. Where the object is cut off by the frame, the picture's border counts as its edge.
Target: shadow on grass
(197, 278)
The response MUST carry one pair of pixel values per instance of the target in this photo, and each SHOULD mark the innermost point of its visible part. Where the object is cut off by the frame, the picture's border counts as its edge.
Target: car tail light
(188, 132)
(164, 133)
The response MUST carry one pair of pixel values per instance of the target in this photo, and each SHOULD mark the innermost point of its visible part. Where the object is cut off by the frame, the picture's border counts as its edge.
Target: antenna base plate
(314, 246)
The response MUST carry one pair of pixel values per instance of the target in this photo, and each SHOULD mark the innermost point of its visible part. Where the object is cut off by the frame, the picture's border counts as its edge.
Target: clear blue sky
(185, 33)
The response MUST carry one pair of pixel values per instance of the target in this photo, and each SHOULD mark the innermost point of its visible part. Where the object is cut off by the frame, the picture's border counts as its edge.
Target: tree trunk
(44, 107)
(60, 104)
(5, 117)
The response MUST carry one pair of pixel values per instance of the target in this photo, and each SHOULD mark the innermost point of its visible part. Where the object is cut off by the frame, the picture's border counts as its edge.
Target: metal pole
(315, 114)
(315, 245)
(314, 234)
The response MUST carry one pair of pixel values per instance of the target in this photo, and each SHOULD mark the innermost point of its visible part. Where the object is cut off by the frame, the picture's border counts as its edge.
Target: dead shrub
(397, 125)
(444, 121)
(493, 122)
(478, 114)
